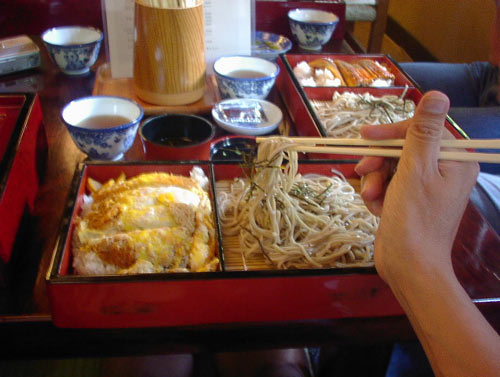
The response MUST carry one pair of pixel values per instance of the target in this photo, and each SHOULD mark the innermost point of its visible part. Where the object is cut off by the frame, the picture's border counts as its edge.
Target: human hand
(422, 204)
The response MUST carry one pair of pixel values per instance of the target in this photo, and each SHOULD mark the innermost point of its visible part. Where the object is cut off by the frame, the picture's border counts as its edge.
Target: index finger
(385, 131)
(379, 132)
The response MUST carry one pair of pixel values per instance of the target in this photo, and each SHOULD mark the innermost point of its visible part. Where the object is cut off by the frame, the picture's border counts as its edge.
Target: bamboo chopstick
(447, 143)
(307, 145)
(443, 155)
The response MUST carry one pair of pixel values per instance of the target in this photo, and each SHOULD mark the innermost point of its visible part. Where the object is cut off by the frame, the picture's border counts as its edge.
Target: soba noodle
(305, 221)
(344, 115)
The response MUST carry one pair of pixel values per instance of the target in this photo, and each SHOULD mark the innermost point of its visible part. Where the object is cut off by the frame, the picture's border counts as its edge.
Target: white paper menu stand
(228, 31)
(118, 20)
(228, 28)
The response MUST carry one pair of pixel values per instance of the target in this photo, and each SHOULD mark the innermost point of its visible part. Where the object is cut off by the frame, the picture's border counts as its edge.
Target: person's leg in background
(479, 123)
(466, 85)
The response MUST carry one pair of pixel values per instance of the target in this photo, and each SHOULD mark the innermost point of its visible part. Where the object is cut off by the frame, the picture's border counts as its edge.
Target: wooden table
(25, 321)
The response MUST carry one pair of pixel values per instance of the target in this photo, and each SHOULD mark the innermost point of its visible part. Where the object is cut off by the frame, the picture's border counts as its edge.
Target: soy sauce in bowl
(233, 148)
(177, 137)
(175, 141)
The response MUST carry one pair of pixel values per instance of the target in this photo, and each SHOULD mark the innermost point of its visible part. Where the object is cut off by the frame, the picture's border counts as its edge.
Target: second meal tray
(330, 111)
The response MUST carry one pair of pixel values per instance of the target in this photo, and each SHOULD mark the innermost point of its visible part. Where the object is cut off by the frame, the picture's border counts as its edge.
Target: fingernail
(434, 105)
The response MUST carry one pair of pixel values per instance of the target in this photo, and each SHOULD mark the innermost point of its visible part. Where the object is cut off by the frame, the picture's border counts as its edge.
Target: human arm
(421, 208)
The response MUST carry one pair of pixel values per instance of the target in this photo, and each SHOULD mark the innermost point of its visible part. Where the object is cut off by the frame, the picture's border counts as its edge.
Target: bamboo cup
(169, 51)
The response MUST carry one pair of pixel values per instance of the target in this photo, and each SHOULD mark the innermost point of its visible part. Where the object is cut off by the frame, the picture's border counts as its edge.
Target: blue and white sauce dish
(103, 127)
(74, 49)
(312, 27)
(245, 76)
(269, 46)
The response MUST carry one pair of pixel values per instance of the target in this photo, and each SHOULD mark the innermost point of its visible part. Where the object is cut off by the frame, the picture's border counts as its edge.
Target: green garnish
(272, 45)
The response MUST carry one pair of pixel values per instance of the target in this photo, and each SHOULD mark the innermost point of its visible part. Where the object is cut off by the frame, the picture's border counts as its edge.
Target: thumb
(425, 130)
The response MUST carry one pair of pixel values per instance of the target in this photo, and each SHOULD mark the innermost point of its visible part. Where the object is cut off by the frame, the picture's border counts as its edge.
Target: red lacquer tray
(22, 139)
(297, 98)
(225, 296)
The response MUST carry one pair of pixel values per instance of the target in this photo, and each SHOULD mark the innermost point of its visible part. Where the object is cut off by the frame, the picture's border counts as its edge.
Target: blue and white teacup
(245, 76)
(312, 27)
(103, 127)
(73, 48)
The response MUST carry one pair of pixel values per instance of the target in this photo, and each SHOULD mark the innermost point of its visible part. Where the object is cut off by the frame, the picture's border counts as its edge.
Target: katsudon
(150, 223)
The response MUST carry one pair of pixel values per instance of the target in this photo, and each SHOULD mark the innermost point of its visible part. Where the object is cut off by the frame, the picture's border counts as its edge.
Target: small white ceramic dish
(84, 119)
(73, 48)
(269, 46)
(272, 117)
(312, 27)
(245, 76)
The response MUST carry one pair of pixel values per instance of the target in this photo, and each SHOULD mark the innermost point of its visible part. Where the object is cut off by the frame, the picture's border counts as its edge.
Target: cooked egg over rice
(154, 222)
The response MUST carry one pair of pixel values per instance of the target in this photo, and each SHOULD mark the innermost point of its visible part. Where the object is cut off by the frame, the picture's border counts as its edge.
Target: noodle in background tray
(345, 113)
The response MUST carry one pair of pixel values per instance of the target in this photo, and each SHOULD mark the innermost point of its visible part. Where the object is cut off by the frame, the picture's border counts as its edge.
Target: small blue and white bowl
(312, 27)
(245, 76)
(73, 48)
(103, 127)
(269, 46)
